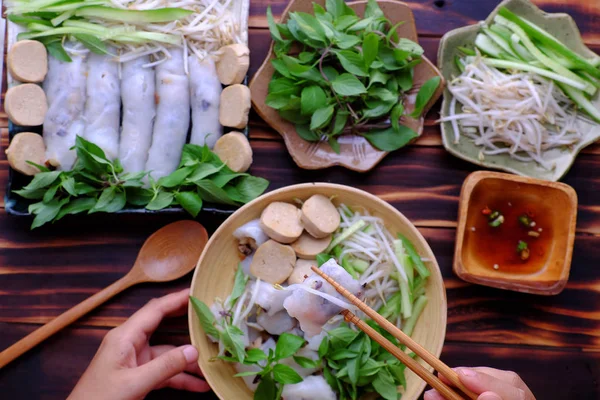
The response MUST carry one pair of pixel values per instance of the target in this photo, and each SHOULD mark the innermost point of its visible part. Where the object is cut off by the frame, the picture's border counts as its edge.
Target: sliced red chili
(486, 211)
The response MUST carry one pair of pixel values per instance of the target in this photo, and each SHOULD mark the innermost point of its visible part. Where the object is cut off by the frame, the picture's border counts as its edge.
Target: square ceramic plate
(564, 28)
(557, 201)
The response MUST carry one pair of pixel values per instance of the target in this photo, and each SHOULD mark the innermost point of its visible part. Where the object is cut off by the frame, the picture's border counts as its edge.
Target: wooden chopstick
(419, 350)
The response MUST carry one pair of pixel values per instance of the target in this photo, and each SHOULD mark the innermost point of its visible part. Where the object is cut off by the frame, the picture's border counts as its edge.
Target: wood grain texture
(554, 342)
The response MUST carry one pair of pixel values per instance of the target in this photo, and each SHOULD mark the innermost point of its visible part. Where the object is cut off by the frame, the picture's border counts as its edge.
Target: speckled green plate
(564, 28)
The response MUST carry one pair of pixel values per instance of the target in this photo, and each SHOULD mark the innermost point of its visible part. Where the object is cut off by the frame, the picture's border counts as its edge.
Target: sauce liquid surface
(498, 246)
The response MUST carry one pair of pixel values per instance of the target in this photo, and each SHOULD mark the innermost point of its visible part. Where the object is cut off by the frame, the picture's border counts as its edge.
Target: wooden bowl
(356, 153)
(215, 270)
(555, 202)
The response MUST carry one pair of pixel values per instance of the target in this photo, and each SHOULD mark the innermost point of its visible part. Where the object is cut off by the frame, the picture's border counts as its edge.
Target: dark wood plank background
(553, 342)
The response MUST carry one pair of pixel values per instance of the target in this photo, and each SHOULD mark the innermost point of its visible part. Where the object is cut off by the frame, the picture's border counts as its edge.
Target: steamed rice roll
(172, 116)
(65, 87)
(139, 109)
(205, 97)
(312, 387)
(313, 311)
(103, 104)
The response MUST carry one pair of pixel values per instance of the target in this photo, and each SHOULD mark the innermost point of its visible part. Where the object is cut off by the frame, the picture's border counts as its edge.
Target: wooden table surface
(552, 342)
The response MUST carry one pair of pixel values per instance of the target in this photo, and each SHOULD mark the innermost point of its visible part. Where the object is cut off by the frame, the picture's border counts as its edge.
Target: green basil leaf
(401, 56)
(111, 200)
(294, 117)
(162, 200)
(249, 187)
(353, 370)
(91, 157)
(321, 117)
(393, 33)
(345, 41)
(306, 362)
(425, 94)
(383, 94)
(302, 71)
(138, 196)
(190, 201)
(255, 355)
(233, 339)
(277, 101)
(389, 139)
(378, 109)
(68, 184)
(239, 285)
(206, 317)
(312, 98)
(42, 180)
(45, 212)
(307, 57)
(76, 206)
(285, 374)
(287, 345)
(305, 133)
(191, 155)
(211, 193)
(335, 145)
(330, 72)
(247, 373)
(275, 34)
(339, 123)
(175, 178)
(266, 389)
(352, 62)
(36, 194)
(384, 385)
(202, 171)
(396, 114)
(342, 336)
(411, 47)
(361, 24)
(370, 48)
(404, 79)
(397, 372)
(323, 347)
(283, 86)
(373, 10)
(348, 85)
(370, 367)
(51, 192)
(38, 166)
(387, 57)
(281, 68)
(223, 177)
(377, 76)
(342, 354)
(292, 104)
(92, 43)
(345, 21)
(338, 8)
(82, 188)
(309, 25)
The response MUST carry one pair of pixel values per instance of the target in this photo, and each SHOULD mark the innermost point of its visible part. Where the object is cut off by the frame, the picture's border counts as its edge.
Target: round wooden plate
(215, 271)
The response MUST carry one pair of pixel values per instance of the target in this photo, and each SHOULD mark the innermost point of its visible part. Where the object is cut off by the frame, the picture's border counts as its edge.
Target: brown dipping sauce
(497, 247)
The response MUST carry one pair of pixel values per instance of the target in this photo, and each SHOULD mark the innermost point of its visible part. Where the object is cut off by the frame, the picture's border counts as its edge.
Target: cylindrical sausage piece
(320, 217)
(308, 247)
(301, 271)
(273, 262)
(27, 61)
(26, 146)
(281, 221)
(26, 104)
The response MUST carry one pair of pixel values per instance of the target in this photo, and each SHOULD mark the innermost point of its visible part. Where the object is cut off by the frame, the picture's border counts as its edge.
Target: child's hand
(126, 367)
(489, 384)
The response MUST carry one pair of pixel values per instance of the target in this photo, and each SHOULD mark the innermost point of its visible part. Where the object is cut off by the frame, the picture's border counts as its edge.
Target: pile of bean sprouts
(521, 114)
(214, 24)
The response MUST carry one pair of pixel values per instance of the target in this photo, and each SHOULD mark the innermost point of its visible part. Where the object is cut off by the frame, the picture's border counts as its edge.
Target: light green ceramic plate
(565, 29)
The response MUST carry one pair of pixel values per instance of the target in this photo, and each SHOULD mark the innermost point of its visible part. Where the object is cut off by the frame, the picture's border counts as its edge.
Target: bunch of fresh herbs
(97, 184)
(337, 73)
(356, 364)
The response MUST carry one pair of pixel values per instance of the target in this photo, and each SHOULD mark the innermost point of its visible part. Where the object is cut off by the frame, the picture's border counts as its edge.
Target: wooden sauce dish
(515, 233)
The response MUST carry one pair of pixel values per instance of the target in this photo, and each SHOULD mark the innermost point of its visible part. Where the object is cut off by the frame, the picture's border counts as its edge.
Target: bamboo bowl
(215, 270)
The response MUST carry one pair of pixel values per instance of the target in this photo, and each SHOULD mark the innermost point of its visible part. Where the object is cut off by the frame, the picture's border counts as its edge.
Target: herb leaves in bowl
(337, 73)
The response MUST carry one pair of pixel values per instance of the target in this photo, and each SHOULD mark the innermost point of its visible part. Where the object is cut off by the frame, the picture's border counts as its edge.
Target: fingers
(506, 376)
(480, 382)
(146, 320)
(188, 383)
(164, 367)
(156, 351)
(433, 395)
(489, 396)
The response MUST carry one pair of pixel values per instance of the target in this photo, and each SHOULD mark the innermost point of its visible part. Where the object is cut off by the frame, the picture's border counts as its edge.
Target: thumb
(166, 366)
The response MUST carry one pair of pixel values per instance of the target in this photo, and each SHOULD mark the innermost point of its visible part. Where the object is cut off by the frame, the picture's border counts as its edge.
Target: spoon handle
(66, 318)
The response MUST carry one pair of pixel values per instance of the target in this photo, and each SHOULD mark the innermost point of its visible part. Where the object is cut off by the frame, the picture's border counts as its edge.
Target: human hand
(489, 384)
(126, 367)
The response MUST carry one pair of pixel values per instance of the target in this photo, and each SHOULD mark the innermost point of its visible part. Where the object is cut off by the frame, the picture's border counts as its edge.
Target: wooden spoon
(170, 253)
